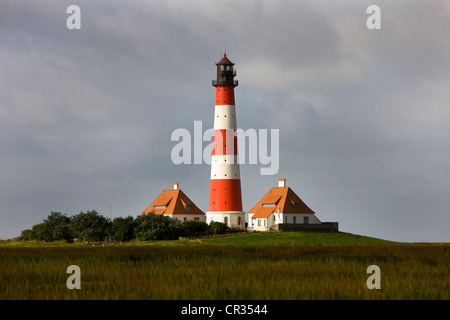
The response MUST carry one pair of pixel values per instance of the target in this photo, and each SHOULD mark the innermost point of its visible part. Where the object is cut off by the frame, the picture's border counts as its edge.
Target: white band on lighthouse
(225, 159)
(224, 171)
(225, 117)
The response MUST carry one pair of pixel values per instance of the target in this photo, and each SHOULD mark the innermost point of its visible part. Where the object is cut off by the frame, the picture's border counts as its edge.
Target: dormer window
(187, 207)
(268, 205)
(159, 207)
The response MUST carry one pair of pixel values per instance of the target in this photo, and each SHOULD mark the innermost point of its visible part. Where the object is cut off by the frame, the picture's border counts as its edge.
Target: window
(295, 219)
(296, 204)
(285, 219)
(305, 220)
(259, 222)
(196, 219)
(239, 221)
(268, 205)
(187, 207)
(225, 220)
(184, 219)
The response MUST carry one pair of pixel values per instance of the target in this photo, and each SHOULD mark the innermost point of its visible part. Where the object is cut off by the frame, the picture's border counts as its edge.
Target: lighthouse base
(233, 219)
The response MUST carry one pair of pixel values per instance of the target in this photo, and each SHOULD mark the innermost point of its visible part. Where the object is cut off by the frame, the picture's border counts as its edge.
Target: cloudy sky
(86, 116)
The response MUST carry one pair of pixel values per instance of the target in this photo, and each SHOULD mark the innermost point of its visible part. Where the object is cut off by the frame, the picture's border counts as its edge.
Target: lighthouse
(225, 199)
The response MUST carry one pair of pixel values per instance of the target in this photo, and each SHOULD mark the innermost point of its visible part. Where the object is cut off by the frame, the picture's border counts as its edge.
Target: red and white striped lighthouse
(225, 199)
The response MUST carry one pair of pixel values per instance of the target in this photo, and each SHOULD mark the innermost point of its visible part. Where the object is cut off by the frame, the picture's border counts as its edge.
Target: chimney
(175, 185)
(282, 182)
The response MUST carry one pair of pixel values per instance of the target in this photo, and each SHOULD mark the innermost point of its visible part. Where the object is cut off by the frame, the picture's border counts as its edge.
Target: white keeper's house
(282, 209)
(175, 204)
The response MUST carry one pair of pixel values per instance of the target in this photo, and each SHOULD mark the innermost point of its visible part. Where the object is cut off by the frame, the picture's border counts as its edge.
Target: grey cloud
(86, 116)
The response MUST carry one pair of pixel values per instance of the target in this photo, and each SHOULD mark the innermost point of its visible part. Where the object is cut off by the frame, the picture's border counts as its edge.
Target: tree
(35, 233)
(89, 225)
(157, 227)
(26, 234)
(122, 229)
(56, 227)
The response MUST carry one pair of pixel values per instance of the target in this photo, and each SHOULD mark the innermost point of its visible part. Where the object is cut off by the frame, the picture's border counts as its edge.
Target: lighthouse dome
(225, 60)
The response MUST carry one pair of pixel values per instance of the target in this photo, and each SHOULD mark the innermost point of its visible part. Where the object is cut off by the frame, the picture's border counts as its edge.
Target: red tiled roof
(263, 212)
(175, 201)
(286, 201)
(272, 198)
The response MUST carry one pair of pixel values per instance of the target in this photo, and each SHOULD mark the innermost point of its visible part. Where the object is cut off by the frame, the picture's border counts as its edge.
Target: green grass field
(274, 265)
(295, 238)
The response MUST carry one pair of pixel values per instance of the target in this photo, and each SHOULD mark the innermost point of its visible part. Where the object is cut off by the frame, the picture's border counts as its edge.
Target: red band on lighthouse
(224, 142)
(224, 95)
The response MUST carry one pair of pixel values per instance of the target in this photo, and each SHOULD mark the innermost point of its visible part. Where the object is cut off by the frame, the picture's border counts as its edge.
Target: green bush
(218, 227)
(157, 227)
(57, 227)
(122, 229)
(54, 228)
(89, 226)
(193, 228)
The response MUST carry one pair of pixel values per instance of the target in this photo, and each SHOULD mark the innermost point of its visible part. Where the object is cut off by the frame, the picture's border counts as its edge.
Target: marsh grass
(408, 271)
(293, 238)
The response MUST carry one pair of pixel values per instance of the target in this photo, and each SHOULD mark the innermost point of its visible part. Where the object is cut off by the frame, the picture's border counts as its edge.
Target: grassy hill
(251, 238)
(295, 238)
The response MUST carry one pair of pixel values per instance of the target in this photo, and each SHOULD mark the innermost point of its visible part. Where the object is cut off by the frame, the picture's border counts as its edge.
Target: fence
(324, 226)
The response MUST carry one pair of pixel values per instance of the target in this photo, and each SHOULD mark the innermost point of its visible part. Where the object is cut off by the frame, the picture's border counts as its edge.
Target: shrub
(157, 227)
(89, 225)
(122, 229)
(56, 227)
(27, 234)
(218, 227)
(193, 228)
